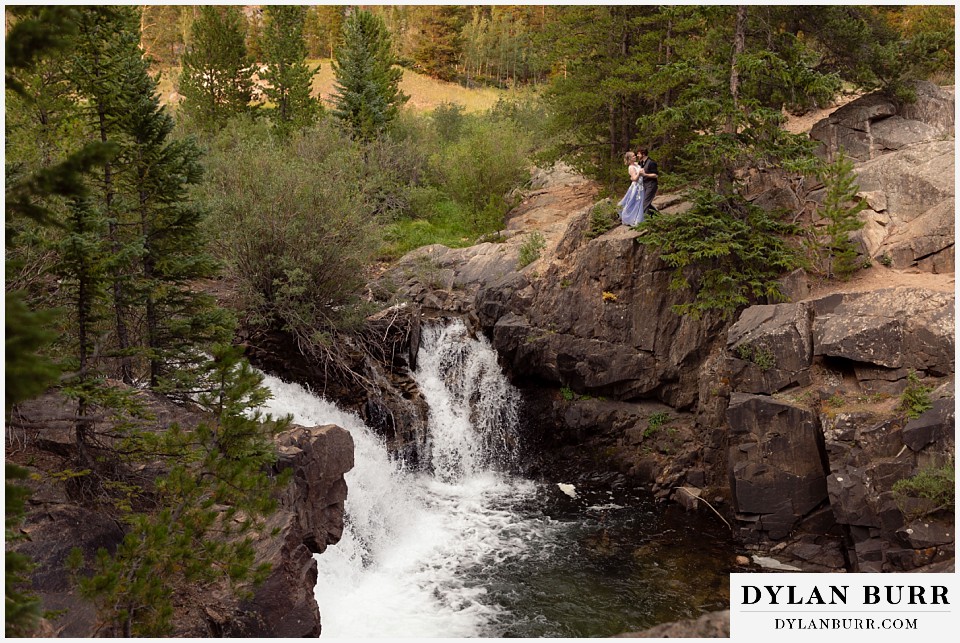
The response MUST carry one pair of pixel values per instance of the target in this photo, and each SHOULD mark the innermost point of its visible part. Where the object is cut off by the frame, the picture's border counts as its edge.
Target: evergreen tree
(287, 73)
(216, 81)
(107, 57)
(161, 34)
(322, 30)
(440, 44)
(842, 217)
(367, 95)
(596, 93)
(33, 34)
(177, 320)
(216, 493)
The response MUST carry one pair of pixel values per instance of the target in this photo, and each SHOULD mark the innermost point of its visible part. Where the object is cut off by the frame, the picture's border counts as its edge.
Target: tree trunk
(739, 42)
(119, 296)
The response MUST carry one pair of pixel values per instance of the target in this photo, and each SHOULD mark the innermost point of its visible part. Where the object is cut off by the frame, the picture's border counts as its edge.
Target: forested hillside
(125, 216)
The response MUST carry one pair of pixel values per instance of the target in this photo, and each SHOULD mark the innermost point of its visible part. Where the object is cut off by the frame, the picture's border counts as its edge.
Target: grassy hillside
(425, 92)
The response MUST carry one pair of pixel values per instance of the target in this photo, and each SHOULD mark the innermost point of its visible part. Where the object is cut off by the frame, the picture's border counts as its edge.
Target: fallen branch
(709, 505)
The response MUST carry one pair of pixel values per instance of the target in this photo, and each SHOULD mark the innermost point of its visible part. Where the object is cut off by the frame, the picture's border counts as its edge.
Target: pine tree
(287, 74)
(323, 29)
(216, 81)
(178, 322)
(216, 493)
(367, 95)
(842, 217)
(33, 33)
(107, 57)
(440, 45)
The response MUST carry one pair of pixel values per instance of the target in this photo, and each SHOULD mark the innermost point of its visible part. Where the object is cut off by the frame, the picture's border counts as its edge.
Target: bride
(631, 205)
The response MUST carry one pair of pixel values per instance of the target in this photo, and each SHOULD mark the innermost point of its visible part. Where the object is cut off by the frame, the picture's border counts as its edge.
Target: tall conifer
(367, 95)
(287, 73)
(217, 77)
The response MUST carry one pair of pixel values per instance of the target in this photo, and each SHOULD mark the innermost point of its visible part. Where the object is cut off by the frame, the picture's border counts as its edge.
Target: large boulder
(309, 519)
(897, 328)
(776, 463)
(601, 321)
(771, 348)
(876, 124)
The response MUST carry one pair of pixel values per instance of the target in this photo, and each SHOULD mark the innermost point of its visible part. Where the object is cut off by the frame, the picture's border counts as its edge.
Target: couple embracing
(643, 187)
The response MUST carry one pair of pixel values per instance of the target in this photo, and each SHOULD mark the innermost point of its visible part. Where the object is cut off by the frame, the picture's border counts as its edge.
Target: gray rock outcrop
(839, 477)
(905, 170)
(876, 124)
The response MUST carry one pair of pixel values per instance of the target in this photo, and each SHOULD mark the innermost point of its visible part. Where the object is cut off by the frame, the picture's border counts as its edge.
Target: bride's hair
(629, 156)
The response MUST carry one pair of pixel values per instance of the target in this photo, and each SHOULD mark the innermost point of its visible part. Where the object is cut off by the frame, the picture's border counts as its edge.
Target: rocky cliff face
(310, 517)
(786, 418)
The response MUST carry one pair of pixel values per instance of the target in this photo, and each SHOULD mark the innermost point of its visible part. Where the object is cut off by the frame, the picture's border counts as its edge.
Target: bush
(292, 224)
(531, 248)
(603, 217)
(480, 169)
(726, 251)
(933, 486)
(916, 397)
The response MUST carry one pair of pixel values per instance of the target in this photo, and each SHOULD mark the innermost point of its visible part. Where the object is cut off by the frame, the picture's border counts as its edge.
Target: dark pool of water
(613, 563)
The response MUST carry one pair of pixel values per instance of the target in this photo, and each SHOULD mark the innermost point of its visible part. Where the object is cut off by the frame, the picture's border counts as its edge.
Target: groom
(648, 173)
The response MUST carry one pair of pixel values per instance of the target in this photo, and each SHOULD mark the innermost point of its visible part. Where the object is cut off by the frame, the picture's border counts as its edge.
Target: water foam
(411, 537)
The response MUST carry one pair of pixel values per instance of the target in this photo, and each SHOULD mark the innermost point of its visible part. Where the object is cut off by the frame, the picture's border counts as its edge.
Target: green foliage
(21, 609)
(448, 121)
(367, 94)
(934, 486)
(916, 397)
(759, 355)
(530, 249)
(603, 217)
(295, 245)
(655, 421)
(217, 77)
(215, 495)
(440, 44)
(480, 168)
(726, 251)
(288, 76)
(322, 30)
(567, 394)
(842, 218)
(836, 400)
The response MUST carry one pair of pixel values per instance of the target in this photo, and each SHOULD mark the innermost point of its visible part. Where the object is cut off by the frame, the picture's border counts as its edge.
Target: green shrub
(292, 224)
(759, 355)
(481, 168)
(448, 121)
(934, 485)
(841, 209)
(916, 397)
(726, 251)
(603, 217)
(531, 249)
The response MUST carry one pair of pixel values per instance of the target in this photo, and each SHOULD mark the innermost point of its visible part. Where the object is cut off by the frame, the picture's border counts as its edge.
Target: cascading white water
(411, 537)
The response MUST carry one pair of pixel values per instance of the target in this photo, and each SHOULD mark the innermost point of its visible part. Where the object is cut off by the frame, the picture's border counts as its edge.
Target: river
(467, 547)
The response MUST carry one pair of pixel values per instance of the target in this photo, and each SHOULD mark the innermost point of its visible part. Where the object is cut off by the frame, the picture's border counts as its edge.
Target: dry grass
(425, 93)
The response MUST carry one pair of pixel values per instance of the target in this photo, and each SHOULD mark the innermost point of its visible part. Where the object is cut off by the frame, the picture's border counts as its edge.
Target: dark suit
(649, 183)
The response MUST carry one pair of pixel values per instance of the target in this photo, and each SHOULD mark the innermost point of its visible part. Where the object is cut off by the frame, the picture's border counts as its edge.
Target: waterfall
(412, 536)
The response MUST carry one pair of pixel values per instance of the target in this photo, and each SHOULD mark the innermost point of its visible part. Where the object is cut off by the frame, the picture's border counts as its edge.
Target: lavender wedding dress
(631, 205)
